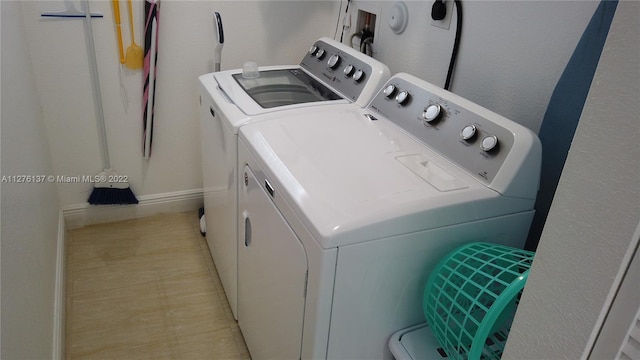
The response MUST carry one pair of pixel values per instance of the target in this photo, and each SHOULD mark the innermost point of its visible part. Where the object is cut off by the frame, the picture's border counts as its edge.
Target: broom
(109, 188)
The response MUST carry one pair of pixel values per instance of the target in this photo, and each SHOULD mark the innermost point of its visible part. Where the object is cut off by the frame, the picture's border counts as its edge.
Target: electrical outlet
(446, 22)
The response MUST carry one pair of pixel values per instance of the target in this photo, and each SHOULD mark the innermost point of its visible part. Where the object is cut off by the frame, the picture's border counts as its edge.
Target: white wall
(511, 56)
(29, 211)
(534, 41)
(269, 32)
(594, 213)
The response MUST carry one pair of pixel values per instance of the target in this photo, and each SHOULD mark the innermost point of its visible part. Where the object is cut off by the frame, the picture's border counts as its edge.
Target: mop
(109, 188)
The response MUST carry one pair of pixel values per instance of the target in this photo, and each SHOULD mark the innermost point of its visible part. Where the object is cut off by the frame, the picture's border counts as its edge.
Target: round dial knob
(489, 143)
(333, 61)
(468, 132)
(432, 113)
(348, 70)
(359, 75)
(402, 97)
(320, 54)
(313, 50)
(389, 90)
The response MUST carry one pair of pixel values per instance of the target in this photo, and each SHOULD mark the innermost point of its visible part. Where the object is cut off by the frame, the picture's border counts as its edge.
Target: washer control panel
(478, 141)
(339, 67)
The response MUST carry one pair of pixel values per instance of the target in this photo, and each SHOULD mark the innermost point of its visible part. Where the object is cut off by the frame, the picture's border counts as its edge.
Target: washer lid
(284, 87)
(278, 88)
(351, 178)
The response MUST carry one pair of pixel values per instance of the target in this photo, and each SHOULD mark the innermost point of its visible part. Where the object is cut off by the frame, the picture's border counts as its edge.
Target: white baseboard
(180, 201)
(60, 304)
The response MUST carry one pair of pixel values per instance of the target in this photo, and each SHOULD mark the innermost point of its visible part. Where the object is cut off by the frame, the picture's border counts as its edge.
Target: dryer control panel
(351, 73)
(495, 150)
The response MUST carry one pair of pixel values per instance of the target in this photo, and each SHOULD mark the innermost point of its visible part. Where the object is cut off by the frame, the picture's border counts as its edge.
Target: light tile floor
(147, 289)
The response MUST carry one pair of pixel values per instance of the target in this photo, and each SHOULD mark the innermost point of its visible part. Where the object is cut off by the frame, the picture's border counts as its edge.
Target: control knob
(402, 97)
(359, 75)
(313, 50)
(348, 70)
(468, 132)
(320, 54)
(489, 143)
(432, 113)
(334, 60)
(389, 91)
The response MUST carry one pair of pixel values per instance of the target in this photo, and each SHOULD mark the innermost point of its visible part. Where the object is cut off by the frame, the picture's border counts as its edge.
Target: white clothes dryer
(343, 213)
(330, 73)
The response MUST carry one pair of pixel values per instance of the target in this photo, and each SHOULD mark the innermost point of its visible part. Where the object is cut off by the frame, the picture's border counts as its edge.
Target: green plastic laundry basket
(471, 297)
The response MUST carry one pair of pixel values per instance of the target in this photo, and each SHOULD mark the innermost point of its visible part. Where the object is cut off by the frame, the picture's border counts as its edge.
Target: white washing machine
(343, 212)
(330, 73)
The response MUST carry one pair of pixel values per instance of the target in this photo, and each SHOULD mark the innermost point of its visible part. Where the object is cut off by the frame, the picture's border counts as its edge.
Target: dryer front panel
(272, 274)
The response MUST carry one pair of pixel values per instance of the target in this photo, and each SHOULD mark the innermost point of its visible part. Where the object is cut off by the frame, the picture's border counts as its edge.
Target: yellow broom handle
(131, 20)
(116, 12)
